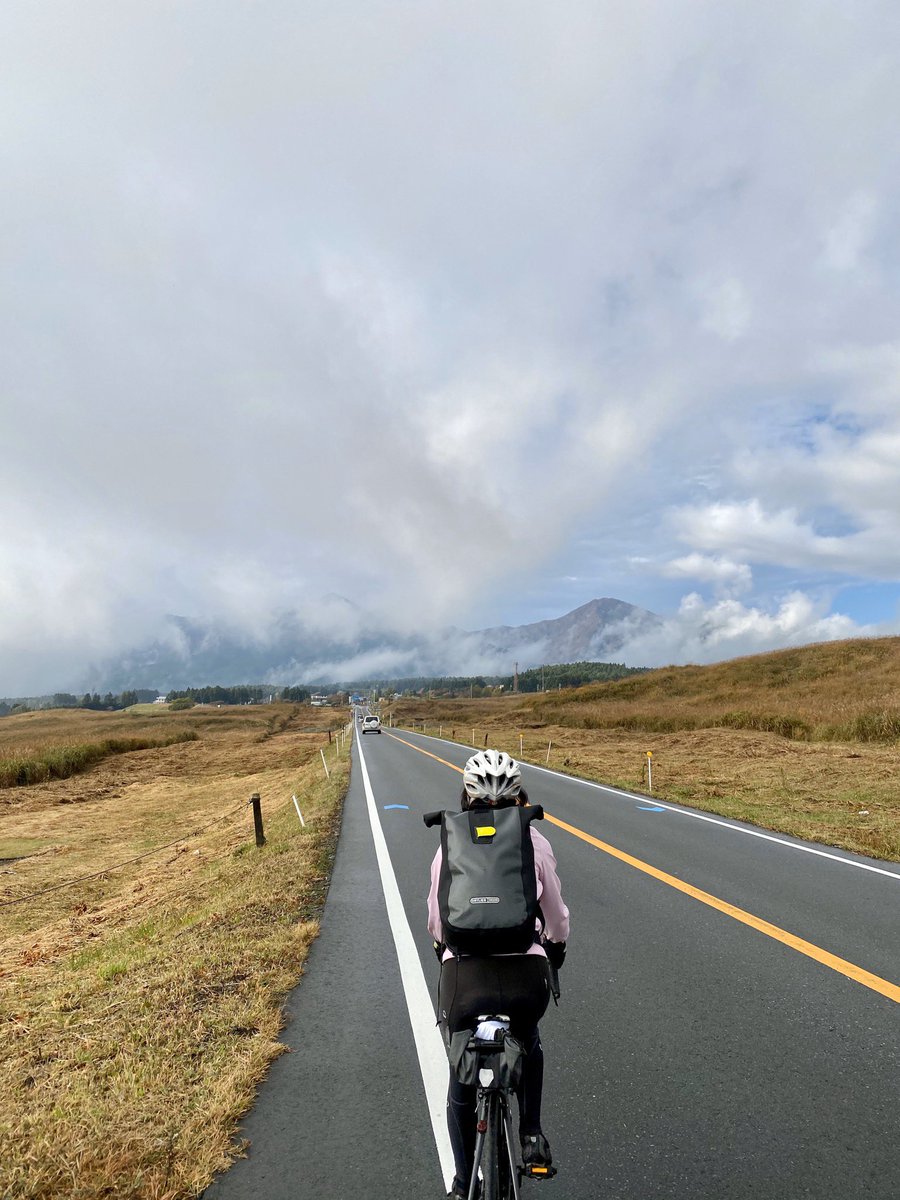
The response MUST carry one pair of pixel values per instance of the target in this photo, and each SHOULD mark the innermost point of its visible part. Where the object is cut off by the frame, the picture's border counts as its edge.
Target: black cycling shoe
(536, 1157)
(460, 1191)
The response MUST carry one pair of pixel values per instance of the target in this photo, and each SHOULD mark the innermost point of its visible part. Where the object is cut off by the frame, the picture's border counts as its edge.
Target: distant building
(161, 700)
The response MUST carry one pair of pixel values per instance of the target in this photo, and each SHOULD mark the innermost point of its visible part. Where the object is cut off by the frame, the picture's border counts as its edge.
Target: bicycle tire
(490, 1159)
(509, 1169)
(497, 1161)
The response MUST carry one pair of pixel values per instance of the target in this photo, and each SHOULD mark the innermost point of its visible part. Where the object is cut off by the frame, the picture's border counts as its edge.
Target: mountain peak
(301, 650)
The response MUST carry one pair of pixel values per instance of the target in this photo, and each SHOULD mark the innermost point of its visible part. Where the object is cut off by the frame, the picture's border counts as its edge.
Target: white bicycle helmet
(492, 777)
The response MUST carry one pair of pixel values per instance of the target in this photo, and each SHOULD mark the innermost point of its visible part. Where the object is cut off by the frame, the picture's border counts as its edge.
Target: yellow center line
(849, 969)
(413, 746)
(875, 982)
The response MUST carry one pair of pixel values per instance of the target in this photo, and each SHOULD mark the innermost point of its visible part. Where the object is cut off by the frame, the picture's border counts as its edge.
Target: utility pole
(542, 676)
(516, 678)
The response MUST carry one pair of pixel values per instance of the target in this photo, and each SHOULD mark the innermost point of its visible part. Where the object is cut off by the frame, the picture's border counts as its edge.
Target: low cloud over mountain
(338, 643)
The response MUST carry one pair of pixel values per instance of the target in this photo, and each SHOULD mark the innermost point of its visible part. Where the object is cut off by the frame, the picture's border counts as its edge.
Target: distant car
(371, 724)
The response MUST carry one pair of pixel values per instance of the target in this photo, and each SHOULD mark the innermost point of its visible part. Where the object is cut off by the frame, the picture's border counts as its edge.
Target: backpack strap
(535, 812)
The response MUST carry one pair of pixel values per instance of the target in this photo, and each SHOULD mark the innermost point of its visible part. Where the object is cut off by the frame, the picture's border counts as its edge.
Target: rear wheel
(497, 1161)
(490, 1158)
(508, 1165)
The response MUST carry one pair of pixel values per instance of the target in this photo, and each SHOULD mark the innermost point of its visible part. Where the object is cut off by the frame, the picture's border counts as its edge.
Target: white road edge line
(683, 812)
(429, 1044)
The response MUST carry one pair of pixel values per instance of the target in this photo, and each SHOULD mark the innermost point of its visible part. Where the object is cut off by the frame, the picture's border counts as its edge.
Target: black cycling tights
(517, 985)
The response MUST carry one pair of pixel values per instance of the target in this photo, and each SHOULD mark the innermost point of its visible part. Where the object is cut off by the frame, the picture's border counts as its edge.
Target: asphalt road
(728, 1026)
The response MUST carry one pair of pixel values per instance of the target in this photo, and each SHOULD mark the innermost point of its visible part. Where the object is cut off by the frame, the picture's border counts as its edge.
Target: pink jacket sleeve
(556, 915)
(434, 916)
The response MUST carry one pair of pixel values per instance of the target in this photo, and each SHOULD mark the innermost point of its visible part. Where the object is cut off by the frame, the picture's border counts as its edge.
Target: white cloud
(725, 309)
(703, 632)
(744, 528)
(726, 575)
(391, 302)
(847, 240)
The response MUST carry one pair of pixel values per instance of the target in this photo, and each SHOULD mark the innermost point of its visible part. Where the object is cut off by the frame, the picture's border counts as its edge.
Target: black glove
(556, 953)
(438, 948)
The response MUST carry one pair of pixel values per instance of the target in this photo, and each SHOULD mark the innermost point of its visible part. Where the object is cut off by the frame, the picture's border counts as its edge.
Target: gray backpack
(487, 889)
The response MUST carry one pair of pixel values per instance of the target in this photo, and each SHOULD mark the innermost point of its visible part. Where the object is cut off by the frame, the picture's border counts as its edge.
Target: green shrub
(787, 727)
(873, 726)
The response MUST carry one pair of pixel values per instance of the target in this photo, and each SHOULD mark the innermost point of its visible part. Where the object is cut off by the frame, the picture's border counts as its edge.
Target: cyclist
(515, 984)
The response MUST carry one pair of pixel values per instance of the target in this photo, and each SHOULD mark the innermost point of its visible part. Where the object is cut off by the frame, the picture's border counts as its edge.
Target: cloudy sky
(468, 312)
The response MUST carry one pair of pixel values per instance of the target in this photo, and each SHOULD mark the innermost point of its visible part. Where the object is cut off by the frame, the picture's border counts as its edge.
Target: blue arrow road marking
(650, 808)
(396, 806)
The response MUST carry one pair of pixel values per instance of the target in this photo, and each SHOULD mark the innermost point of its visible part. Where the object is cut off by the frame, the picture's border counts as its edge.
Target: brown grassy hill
(835, 691)
(801, 741)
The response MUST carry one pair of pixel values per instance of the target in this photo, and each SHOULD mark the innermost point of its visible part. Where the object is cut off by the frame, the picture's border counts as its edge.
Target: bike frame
(495, 1152)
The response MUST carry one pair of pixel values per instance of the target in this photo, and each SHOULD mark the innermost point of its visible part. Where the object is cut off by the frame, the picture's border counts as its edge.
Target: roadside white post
(324, 763)
(299, 813)
(521, 750)
(549, 744)
(473, 737)
(440, 731)
(649, 770)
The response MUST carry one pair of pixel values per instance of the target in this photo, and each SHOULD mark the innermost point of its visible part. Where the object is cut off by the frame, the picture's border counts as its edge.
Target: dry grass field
(800, 741)
(141, 1006)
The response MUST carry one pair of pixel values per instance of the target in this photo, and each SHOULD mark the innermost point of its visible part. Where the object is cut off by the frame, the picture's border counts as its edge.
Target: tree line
(93, 700)
(567, 675)
(244, 693)
(547, 678)
(112, 701)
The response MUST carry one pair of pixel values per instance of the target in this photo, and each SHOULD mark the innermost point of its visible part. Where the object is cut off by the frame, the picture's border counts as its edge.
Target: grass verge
(62, 762)
(128, 1060)
(839, 793)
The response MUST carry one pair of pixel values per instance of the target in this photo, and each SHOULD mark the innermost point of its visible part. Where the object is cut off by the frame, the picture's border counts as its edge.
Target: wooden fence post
(257, 820)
